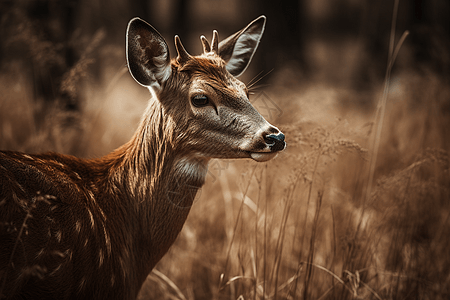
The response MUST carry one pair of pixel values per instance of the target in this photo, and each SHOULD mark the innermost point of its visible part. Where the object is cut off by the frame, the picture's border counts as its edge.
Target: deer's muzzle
(275, 141)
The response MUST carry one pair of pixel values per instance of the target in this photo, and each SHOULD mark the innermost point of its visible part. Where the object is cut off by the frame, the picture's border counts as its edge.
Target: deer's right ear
(237, 50)
(147, 54)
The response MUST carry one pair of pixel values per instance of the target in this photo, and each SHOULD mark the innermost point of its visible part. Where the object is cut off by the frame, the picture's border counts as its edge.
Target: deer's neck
(159, 183)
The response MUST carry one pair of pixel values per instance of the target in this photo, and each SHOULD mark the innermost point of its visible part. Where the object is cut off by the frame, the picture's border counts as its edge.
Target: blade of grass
(280, 242)
(379, 118)
(380, 115)
(168, 282)
(235, 228)
(312, 242)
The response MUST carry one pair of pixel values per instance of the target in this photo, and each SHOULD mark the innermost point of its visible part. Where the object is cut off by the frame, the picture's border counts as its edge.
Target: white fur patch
(192, 169)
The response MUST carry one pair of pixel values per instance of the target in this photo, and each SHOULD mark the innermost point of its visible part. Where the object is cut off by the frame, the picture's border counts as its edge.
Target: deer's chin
(262, 156)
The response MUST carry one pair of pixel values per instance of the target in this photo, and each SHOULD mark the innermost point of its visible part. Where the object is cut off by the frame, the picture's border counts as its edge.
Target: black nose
(275, 141)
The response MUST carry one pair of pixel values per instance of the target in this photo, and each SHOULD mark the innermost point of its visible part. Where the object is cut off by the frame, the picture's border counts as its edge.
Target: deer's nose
(275, 141)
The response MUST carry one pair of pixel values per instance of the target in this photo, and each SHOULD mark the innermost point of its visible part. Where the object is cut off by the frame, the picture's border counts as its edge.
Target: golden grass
(300, 227)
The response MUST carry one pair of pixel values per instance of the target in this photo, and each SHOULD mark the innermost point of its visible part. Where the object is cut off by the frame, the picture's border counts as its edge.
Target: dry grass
(301, 226)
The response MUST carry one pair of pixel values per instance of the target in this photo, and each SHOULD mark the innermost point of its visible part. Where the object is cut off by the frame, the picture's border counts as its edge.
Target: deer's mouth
(262, 156)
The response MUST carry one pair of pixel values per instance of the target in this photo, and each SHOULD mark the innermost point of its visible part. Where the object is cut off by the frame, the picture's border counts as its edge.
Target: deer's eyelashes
(200, 101)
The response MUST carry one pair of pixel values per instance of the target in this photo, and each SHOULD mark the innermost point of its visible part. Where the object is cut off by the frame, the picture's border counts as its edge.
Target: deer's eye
(200, 100)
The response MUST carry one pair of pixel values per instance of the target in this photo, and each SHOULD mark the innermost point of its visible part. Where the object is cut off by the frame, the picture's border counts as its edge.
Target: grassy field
(303, 226)
(340, 214)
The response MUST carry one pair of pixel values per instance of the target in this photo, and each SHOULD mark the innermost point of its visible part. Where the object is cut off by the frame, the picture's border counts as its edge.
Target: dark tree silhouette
(430, 35)
(283, 42)
(39, 34)
(429, 39)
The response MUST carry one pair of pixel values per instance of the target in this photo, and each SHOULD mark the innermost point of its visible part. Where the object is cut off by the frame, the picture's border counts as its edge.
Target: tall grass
(357, 207)
(302, 228)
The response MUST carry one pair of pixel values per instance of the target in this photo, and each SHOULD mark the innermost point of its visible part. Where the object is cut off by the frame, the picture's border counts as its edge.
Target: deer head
(208, 105)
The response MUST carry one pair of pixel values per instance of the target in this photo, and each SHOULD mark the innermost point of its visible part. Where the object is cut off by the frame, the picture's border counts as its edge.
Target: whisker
(254, 88)
(255, 80)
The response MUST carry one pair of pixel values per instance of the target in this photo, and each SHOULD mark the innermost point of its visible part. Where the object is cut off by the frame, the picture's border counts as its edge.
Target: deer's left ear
(238, 49)
(147, 54)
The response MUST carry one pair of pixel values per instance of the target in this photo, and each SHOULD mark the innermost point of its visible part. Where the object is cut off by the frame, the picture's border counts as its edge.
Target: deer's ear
(147, 54)
(238, 49)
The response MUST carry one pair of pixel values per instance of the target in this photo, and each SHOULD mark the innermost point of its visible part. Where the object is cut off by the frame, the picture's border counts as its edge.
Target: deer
(73, 228)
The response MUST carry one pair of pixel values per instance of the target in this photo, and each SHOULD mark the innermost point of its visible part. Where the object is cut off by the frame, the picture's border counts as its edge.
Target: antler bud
(205, 43)
(183, 56)
(215, 42)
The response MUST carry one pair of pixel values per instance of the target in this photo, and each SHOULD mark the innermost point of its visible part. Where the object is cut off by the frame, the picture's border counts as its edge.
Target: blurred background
(303, 226)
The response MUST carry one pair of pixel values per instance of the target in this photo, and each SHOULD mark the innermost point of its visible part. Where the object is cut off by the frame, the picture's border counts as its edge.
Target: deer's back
(54, 237)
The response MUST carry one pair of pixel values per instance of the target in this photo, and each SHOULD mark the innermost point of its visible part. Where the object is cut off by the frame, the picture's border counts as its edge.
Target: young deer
(75, 229)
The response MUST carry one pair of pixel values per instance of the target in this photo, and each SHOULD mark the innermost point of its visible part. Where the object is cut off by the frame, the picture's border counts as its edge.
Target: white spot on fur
(82, 284)
(55, 270)
(93, 187)
(91, 195)
(58, 235)
(28, 156)
(58, 163)
(92, 219)
(68, 253)
(40, 253)
(78, 226)
(77, 175)
(20, 187)
(102, 213)
(124, 268)
(101, 258)
(107, 241)
(59, 253)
